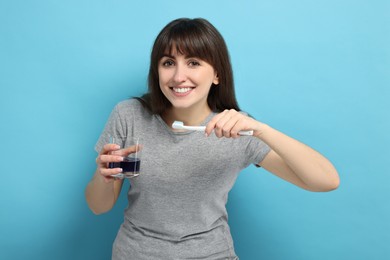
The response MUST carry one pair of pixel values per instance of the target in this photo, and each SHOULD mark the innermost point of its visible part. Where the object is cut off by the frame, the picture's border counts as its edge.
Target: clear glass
(131, 164)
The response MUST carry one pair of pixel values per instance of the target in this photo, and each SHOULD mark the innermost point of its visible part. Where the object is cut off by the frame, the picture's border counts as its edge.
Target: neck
(187, 116)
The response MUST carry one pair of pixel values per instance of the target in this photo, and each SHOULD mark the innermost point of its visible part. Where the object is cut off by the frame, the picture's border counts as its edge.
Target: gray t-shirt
(177, 205)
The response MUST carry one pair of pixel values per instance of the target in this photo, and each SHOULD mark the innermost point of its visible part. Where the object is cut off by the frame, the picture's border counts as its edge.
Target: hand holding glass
(131, 163)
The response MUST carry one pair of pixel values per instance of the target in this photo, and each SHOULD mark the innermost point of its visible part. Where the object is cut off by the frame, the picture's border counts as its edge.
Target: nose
(180, 74)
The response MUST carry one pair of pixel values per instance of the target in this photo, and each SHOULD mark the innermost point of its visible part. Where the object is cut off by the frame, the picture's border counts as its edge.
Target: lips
(181, 91)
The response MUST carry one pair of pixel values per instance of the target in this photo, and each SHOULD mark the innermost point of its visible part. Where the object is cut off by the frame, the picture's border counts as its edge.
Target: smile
(181, 90)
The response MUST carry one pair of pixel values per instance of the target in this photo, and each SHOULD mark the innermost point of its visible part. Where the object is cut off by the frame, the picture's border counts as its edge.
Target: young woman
(176, 206)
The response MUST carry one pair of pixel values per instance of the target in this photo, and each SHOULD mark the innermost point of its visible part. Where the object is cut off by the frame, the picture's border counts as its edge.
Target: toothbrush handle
(250, 132)
(202, 128)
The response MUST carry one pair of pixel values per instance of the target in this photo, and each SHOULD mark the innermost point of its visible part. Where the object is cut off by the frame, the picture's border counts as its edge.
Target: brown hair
(194, 38)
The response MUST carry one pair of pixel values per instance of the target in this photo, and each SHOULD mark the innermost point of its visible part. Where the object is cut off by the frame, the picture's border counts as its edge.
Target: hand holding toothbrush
(229, 123)
(233, 124)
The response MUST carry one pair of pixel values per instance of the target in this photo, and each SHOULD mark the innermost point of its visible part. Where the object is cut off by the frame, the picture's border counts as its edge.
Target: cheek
(163, 78)
(163, 84)
(208, 76)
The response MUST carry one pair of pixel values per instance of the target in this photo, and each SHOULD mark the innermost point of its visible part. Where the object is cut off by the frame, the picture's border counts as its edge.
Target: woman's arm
(289, 159)
(297, 163)
(103, 190)
(100, 195)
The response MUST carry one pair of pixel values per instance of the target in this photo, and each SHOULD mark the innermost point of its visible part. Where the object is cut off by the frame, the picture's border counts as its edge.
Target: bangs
(189, 41)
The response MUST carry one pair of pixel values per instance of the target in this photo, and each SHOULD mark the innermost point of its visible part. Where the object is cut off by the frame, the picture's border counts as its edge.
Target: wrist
(100, 179)
(260, 130)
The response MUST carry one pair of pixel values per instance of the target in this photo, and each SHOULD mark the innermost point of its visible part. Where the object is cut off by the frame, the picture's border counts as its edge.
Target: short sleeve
(256, 151)
(115, 126)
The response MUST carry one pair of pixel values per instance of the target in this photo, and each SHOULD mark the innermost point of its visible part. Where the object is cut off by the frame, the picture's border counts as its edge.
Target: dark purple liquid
(128, 165)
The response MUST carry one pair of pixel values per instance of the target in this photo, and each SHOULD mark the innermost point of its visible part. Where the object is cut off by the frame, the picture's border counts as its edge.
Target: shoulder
(131, 103)
(131, 107)
(132, 110)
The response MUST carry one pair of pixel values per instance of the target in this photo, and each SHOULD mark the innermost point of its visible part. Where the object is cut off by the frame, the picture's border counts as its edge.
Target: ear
(216, 79)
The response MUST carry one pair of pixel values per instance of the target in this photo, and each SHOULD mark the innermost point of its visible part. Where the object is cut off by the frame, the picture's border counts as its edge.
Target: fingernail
(205, 134)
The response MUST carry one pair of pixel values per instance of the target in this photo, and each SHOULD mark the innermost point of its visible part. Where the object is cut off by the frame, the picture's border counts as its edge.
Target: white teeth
(181, 90)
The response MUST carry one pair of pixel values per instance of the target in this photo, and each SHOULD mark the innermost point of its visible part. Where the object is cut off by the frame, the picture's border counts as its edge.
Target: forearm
(313, 169)
(289, 159)
(100, 195)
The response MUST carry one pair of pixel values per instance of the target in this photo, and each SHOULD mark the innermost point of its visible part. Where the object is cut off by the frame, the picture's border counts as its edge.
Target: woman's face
(186, 81)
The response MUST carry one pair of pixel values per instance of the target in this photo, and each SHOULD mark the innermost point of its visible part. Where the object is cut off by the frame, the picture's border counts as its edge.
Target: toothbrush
(180, 125)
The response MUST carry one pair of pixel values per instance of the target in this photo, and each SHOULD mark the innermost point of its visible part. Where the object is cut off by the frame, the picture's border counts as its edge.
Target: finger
(211, 125)
(224, 125)
(231, 120)
(131, 149)
(110, 178)
(245, 123)
(220, 127)
(216, 123)
(236, 124)
(128, 150)
(107, 172)
(109, 148)
(106, 158)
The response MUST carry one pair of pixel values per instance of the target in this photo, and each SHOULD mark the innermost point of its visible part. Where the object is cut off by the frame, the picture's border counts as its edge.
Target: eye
(168, 63)
(193, 63)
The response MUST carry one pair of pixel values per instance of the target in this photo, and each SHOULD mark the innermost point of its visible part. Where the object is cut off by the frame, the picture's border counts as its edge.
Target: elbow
(95, 205)
(329, 185)
(328, 181)
(97, 210)
(331, 179)
(334, 184)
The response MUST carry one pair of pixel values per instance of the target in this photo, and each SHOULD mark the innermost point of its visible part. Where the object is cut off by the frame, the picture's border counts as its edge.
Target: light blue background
(316, 70)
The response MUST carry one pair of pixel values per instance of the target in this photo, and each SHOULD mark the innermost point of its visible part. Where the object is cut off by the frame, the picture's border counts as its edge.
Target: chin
(181, 106)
